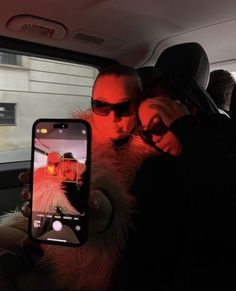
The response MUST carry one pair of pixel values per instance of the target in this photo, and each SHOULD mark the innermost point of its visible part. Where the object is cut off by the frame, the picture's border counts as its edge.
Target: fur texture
(52, 194)
(128, 157)
(91, 266)
(86, 268)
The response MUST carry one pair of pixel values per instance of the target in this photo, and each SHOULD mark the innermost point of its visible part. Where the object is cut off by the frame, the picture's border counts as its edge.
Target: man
(113, 120)
(53, 164)
(220, 88)
(115, 100)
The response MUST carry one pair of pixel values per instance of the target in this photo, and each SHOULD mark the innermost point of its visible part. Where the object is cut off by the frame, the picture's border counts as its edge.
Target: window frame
(10, 171)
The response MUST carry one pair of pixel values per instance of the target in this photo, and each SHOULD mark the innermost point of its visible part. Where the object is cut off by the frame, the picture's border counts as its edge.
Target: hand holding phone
(60, 176)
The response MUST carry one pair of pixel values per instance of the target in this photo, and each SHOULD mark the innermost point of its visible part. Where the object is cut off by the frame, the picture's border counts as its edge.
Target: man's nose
(112, 116)
(51, 169)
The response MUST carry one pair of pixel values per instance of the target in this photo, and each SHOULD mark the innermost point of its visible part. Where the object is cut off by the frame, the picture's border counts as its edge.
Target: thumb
(24, 177)
(100, 211)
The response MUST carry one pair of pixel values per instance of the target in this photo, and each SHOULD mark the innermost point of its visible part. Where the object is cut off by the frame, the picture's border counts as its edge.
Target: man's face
(163, 139)
(53, 164)
(119, 114)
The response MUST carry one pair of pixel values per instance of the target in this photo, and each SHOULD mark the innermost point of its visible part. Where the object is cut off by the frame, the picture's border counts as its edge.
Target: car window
(32, 88)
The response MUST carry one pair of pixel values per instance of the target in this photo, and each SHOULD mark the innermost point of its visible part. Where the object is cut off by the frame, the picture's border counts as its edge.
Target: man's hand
(168, 109)
(99, 205)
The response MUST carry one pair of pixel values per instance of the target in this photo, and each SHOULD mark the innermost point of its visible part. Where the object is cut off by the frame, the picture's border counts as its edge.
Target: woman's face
(154, 132)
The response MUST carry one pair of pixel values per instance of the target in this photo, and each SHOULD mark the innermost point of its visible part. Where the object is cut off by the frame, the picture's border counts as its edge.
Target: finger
(169, 110)
(25, 209)
(32, 247)
(9, 266)
(25, 193)
(24, 177)
(161, 102)
(168, 102)
(100, 211)
(165, 102)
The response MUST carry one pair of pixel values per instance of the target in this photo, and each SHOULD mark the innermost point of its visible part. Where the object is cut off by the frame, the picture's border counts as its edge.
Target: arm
(110, 206)
(207, 153)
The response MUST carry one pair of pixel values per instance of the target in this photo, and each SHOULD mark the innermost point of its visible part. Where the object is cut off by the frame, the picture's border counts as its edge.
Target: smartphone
(60, 178)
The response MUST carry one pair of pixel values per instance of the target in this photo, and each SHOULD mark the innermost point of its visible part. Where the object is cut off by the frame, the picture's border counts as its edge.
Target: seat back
(147, 75)
(232, 107)
(187, 68)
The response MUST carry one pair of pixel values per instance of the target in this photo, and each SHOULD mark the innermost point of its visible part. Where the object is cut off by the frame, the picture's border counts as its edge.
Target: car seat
(232, 107)
(147, 75)
(187, 68)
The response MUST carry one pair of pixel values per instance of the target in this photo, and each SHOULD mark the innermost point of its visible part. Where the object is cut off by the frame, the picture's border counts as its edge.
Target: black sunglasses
(155, 126)
(122, 109)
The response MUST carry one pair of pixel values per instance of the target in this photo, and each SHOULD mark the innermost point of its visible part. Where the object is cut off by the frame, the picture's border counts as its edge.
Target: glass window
(39, 88)
(10, 59)
(7, 114)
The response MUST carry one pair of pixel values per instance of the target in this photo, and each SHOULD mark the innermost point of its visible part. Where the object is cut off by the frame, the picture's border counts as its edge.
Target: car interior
(52, 50)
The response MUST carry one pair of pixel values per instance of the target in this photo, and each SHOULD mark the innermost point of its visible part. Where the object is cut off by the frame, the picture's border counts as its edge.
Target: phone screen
(60, 168)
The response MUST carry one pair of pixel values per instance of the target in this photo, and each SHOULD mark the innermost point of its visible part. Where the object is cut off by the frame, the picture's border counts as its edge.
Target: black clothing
(74, 195)
(185, 236)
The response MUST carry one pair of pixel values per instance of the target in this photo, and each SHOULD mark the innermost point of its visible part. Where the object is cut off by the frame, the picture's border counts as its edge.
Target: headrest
(232, 106)
(186, 66)
(147, 75)
(187, 60)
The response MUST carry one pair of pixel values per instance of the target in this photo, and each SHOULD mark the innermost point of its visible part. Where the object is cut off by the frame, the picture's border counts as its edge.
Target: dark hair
(220, 87)
(232, 107)
(160, 85)
(133, 84)
(68, 155)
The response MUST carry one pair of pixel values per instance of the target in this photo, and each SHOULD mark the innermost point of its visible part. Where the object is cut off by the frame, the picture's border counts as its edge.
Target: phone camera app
(60, 183)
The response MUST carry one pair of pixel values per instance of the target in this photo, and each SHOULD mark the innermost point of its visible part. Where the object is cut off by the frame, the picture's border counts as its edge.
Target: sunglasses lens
(157, 126)
(100, 107)
(146, 137)
(122, 109)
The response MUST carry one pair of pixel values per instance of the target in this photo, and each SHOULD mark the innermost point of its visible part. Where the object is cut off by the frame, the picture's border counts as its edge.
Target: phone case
(60, 177)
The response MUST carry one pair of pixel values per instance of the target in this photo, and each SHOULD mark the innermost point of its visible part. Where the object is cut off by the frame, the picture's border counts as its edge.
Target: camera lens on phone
(60, 125)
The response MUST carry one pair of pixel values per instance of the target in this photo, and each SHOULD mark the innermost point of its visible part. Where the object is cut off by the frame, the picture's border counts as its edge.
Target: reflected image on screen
(59, 194)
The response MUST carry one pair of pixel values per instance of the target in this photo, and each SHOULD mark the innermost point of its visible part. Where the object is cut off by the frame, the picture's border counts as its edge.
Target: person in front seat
(220, 88)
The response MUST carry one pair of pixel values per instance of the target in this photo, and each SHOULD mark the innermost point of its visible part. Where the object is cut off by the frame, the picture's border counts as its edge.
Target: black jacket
(185, 237)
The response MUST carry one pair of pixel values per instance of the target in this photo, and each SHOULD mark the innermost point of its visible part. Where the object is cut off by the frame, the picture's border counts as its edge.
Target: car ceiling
(134, 32)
